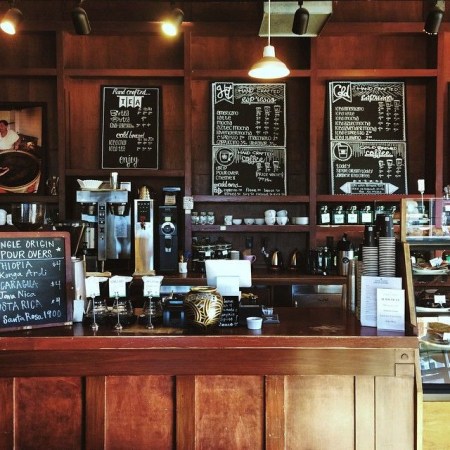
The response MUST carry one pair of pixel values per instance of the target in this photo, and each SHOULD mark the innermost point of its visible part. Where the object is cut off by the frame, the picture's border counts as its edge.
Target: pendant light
(269, 67)
(11, 20)
(80, 20)
(172, 23)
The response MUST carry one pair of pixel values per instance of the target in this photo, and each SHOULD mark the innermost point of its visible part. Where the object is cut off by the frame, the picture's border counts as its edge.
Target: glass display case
(425, 228)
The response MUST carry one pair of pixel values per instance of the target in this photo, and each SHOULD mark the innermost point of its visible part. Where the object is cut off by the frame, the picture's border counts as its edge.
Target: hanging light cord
(268, 26)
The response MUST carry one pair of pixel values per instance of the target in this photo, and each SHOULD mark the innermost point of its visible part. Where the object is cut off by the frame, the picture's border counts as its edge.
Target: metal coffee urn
(143, 233)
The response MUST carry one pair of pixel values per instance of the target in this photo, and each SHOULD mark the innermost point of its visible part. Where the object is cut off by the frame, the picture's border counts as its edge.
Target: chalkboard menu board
(248, 136)
(367, 137)
(130, 127)
(35, 280)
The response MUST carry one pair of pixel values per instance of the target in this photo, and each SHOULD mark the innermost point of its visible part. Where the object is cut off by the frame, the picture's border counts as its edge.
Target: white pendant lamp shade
(269, 66)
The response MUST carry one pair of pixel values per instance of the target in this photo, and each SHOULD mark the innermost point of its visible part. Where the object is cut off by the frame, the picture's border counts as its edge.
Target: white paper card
(92, 287)
(152, 285)
(117, 286)
(440, 299)
(369, 286)
(391, 309)
(228, 285)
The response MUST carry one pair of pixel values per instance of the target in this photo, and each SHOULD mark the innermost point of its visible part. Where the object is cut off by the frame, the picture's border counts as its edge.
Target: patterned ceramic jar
(203, 307)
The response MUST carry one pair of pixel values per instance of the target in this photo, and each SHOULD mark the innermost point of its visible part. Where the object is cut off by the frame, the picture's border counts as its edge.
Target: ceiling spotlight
(12, 19)
(172, 23)
(80, 20)
(269, 66)
(434, 18)
(301, 19)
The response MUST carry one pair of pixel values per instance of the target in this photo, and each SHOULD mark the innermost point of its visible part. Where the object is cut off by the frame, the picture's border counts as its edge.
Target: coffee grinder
(143, 233)
(168, 231)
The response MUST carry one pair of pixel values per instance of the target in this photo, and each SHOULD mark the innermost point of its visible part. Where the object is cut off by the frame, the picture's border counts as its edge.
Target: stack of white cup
(270, 217)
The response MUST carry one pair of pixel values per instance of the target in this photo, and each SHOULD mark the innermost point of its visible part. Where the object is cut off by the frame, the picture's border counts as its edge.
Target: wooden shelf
(252, 199)
(148, 173)
(25, 198)
(376, 73)
(363, 198)
(250, 228)
(124, 73)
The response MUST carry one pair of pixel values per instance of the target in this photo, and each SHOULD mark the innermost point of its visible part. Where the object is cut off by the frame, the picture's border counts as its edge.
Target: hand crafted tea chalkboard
(130, 127)
(35, 280)
(248, 137)
(367, 137)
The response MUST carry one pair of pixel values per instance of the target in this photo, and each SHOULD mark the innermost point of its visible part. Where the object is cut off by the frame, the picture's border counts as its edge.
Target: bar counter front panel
(317, 380)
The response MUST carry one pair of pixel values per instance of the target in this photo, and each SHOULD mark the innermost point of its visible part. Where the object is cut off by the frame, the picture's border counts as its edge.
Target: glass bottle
(210, 218)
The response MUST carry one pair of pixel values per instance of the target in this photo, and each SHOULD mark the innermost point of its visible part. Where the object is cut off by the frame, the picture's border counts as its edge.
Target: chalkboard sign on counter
(35, 280)
(248, 136)
(367, 130)
(130, 127)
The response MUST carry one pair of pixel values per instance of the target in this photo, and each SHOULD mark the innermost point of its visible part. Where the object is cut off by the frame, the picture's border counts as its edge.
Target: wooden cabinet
(67, 71)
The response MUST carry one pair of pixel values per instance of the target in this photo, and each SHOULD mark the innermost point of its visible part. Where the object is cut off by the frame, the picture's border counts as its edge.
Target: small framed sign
(130, 127)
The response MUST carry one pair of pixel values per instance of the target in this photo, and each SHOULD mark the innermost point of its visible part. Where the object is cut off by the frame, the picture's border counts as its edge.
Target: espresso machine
(108, 231)
(143, 233)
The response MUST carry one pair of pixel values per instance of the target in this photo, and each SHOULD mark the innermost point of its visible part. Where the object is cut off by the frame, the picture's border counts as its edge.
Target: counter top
(298, 327)
(259, 276)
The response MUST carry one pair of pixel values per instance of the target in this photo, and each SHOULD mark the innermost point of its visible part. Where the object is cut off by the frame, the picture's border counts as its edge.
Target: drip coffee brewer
(28, 216)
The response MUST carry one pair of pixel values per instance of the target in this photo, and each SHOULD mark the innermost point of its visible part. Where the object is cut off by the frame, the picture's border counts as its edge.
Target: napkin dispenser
(173, 313)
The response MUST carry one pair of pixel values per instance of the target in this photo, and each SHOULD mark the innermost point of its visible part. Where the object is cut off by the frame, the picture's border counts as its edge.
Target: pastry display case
(425, 231)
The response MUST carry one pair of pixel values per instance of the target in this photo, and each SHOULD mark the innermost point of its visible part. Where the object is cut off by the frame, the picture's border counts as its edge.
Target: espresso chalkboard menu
(248, 137)
(367, 132)
(35, 280)
(130, 127)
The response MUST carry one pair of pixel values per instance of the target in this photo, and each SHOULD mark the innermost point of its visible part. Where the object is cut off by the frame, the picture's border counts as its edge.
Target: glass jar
(195, 219)
(96, 311)
(324, 216)
(122, 313)
(338, 215)
(210, 218)
(351, 215)
(203, 219)
(366, 215)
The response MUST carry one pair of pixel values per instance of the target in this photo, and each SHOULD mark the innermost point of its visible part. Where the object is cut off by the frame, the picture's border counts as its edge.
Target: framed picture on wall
(22, 147)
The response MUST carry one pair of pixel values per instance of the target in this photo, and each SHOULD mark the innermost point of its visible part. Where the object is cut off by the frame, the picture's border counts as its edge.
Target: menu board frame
(248, 138)
(130, 138)
(367, 137)
(17, 252)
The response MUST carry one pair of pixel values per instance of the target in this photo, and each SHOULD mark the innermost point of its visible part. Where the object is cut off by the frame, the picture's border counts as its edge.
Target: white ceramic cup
(254, 323)
(237, 221)
(302, 221)
(251, 258)
(182, 267)
(282, 213)
(259, 221)
(228, 220)
(270, 213)
(9, 219)
(249, 221)
(234, 254)
(3, 215)
(270, 220)
(282, 220)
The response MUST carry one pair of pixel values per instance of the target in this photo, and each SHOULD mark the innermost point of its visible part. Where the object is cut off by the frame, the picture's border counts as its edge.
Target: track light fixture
(80, 20)
(301, 19)
(434, 18)
(171, 24)
(269, 66)
(12, 19)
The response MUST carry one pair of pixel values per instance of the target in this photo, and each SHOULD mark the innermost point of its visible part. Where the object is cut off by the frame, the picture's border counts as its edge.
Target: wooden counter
(315, 381)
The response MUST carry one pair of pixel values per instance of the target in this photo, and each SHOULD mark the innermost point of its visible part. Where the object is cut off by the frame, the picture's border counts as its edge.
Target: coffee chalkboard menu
(35, 280)
(248, 125)
(367, 137)
(130, 127)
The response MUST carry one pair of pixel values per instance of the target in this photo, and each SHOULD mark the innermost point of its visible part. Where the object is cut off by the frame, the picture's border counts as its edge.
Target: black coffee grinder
(168, 231)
